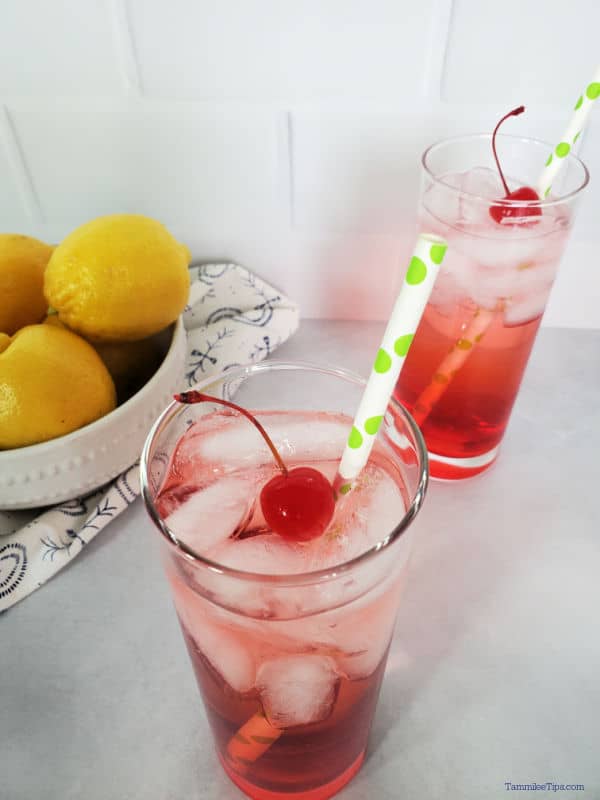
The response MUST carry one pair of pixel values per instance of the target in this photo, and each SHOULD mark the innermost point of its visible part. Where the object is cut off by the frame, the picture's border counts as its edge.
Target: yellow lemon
(51, 383)
(22, 264)
(118, 278)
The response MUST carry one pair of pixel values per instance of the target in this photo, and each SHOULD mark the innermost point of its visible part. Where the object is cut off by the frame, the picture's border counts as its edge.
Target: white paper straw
(406, 315)
(557, 157)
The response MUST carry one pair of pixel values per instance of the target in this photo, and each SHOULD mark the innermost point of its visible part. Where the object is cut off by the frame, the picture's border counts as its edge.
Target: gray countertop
(494, 670)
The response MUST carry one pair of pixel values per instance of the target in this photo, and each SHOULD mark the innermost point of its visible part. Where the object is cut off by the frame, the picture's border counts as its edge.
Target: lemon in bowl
(116, 287)
(76, 463)
(22, 264)
(52, 382)
(118, 278)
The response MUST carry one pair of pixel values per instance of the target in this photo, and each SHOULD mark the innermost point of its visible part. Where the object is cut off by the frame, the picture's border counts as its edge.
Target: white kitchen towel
(232, 318)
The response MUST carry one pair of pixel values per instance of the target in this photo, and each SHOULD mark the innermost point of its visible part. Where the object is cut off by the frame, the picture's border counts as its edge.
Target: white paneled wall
(519, 51)
(285, 135)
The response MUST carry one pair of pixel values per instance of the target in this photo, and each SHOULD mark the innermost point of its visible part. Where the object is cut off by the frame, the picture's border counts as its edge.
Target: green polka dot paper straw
(557, 157)
(406, 315)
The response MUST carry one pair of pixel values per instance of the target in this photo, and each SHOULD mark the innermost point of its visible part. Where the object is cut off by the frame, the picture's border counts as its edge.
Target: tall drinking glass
(288, 640)
(465, 366)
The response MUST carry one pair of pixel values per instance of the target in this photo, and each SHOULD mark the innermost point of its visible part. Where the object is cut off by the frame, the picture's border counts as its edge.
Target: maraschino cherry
(501, 213)
(297, 504)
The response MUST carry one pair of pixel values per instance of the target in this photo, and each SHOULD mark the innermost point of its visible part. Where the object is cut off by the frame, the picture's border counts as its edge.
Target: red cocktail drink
(288, 638)
(467, 359)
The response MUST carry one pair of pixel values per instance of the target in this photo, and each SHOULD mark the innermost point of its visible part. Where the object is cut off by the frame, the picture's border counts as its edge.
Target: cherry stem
(198, 397)
(514, 113)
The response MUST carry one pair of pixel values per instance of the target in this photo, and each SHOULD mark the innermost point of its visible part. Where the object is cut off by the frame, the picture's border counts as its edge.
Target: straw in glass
(397, 339)
(257, 734)
(253, 739)
(556, 158)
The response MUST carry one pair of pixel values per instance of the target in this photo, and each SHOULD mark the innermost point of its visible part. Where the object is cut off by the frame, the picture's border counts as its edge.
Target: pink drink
(288, 654)
(501, 272)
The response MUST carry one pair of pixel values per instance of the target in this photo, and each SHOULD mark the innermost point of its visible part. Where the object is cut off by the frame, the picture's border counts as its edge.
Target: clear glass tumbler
(465, 366)
(289, 660)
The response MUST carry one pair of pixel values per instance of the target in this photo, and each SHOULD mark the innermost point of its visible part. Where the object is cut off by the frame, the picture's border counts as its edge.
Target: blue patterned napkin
(232, 318)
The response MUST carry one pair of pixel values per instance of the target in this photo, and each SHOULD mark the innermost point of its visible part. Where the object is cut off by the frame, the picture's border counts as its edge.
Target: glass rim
(289, 579)
(503, 202)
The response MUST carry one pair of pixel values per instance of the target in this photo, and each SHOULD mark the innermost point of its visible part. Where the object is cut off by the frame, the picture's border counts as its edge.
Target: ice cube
(527, 285)
(211, 514)
(474, 212)
(228, 657)
(477, 248)
(297, 689)
(231, 442)
(441, 201)
(220, 441)
(386, 508)
(453, 282)
(526, 308)
(491, 286)
(510, 245)
(364, 631)
(482, 182)
(536, 277)
(361, 519)
(220, 646)
(523, 248)
(458, 262)
(266, 553)
(463, 198)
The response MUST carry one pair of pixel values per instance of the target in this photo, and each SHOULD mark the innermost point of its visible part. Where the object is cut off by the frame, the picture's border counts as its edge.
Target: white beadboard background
(284, 134)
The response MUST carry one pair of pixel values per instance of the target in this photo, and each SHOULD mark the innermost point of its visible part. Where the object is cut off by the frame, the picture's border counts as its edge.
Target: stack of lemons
(78, 322)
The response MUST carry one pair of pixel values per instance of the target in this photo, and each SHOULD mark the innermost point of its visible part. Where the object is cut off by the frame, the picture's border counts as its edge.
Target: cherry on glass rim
(503, 213)
(297, 504)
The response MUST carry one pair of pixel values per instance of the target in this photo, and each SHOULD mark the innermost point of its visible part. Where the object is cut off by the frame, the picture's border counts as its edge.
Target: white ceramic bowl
(79, 462)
